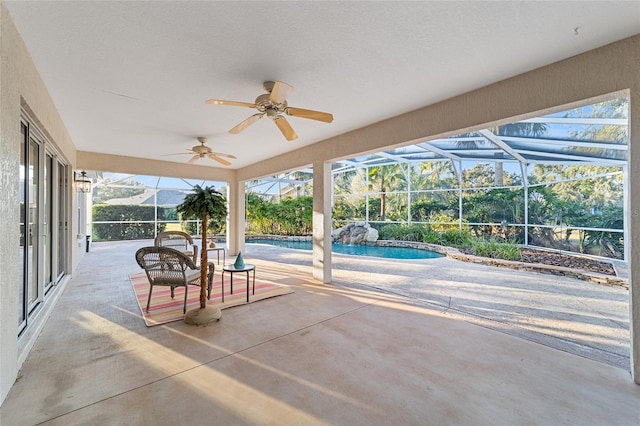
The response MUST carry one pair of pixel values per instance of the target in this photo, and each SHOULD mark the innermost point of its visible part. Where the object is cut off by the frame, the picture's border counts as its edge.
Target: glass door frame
(44, 221)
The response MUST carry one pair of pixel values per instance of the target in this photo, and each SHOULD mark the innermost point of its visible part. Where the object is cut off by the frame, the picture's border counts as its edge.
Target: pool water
(358, 250)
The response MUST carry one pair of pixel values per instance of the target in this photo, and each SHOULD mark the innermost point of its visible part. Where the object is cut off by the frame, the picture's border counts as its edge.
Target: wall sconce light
(83, 182)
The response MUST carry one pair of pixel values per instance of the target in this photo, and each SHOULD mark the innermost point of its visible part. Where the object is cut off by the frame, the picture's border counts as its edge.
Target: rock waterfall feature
(355, 233)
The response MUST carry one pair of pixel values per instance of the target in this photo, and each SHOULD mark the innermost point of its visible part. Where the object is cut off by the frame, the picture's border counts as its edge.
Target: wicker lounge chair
(170, 267)
(178, 240)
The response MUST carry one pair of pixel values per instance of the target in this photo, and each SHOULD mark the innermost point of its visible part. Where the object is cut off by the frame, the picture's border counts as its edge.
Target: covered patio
(349, 353)
(120, 86)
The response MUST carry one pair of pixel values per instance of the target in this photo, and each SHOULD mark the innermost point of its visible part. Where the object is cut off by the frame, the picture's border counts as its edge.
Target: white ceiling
(131, 78)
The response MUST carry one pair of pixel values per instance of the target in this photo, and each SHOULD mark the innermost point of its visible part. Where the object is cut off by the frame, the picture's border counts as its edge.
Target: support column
(525, 188)
(458, 171)
(632, 231)
(322, 221)
(235, 217)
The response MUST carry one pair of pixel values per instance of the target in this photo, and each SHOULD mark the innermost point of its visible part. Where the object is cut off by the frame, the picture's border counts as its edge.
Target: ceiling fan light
(274, 105)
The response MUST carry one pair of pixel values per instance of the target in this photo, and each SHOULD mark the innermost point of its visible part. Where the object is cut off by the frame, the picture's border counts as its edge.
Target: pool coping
(456, 254)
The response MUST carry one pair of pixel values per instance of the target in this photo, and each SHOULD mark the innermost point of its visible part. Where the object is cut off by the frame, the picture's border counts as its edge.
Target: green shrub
(127, 222)
(290, 216)
(497, 250)
(456, 238)
(394, 231)
(425, 234)
(391, 231)
(441, 224)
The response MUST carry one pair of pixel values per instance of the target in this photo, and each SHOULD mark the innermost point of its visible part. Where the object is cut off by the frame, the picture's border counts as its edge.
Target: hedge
(131, 215)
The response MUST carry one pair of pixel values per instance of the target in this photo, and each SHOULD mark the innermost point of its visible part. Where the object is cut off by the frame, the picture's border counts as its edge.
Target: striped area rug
(163, 309)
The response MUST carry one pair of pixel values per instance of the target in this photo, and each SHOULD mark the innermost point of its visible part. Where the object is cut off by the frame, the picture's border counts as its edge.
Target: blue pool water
(358, 250)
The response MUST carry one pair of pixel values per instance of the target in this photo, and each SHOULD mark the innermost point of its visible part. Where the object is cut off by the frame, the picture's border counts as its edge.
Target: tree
(535, 130)
(203, 203)
(384, 177)
(479, 176)
(434, 175)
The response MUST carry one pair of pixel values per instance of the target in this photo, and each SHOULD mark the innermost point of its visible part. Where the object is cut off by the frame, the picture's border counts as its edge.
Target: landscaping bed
(543, 261)
(571, 261)
(567, 261)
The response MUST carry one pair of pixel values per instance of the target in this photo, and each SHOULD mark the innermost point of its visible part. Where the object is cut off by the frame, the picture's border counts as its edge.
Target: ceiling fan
(202, 151)
(274, 105)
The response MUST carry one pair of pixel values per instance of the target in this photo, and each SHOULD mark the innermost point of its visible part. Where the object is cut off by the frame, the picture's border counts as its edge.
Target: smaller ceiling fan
(202, 151)
(274, 105)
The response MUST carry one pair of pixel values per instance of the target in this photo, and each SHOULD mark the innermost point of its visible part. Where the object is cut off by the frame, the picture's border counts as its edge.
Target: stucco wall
(119, 164)
(21, 87)
(9, 165)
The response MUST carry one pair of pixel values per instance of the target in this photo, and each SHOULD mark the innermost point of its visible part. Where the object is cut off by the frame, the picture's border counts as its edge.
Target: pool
(358, 250)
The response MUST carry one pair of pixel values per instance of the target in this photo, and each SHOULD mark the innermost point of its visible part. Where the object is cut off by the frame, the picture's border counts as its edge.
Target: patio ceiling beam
(579, 120)
(355, 166)
(480, 152)
(461, 139)
(446, 154)
(564, 142)
(577, 158)
(346, 165)
(490, 159)
(496, 140)
(396, 158)
(284, 180)
(363, 163)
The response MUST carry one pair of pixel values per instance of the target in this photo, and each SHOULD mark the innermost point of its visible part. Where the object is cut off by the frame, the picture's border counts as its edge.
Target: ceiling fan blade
(222, 161)
(193, 159)
(178, 153)
(280, 92)
(219, 154)
(285, 128)
(307, 113)
(246, 123)
(231, 103)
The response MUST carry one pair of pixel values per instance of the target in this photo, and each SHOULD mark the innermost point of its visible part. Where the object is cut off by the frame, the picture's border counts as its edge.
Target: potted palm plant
(205, 204)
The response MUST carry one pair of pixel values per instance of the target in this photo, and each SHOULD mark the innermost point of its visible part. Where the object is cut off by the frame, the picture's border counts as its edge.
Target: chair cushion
(193, 275)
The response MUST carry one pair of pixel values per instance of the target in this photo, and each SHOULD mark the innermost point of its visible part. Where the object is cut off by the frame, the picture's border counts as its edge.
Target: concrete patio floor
(389, 342)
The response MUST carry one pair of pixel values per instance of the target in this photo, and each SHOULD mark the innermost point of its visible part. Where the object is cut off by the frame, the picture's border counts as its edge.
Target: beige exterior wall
(21, 89)
(134, 165)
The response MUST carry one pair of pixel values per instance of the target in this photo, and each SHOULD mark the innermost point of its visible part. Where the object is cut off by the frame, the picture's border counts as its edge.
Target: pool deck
(574, 315)
(403, 342)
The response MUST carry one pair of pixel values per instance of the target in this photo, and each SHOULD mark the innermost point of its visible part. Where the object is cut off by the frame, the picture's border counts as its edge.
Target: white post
(458, 171)
(322, 221)
(525, 185)
(632, 231)
(235, 217)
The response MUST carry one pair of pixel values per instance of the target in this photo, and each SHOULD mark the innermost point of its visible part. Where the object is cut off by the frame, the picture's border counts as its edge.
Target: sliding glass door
(43, 222)
(22, 305)
(62, 219)
(33, 227)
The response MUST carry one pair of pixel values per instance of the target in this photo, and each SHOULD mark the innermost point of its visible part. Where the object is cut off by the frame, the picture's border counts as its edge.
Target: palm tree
(204, 204)
(534, 130)
(385, 176)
